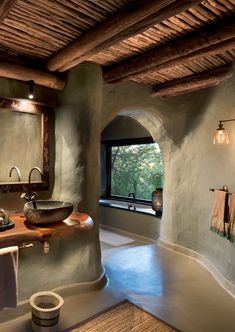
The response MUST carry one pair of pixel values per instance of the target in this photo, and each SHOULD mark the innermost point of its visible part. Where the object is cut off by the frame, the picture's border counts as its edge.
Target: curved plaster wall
(183, 127)
(77, 161)
(29, 268)
(73, 258)
(15, 89)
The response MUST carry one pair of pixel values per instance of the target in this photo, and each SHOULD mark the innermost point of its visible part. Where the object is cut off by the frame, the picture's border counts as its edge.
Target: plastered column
(77, 123)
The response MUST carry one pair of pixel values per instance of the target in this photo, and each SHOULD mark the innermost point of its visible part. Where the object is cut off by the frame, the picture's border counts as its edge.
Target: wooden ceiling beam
(108, 29)
(5, 7)
(22, 73)
(192, 83)
(159, 16)
(195, 46)
(184, 60)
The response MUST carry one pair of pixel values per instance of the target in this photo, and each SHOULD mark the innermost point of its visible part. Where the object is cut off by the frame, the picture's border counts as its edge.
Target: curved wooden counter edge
(76, 221)
(26, 232)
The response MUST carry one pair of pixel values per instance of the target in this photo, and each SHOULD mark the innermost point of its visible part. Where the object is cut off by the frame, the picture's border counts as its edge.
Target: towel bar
(25, 245)
(224, 188)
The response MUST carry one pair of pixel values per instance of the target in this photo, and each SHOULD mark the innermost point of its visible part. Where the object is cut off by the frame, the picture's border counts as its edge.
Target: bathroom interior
(174, 266)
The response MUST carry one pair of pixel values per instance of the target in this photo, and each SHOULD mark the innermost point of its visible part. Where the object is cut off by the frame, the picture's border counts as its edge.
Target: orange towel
(231, 226)
(219, 212)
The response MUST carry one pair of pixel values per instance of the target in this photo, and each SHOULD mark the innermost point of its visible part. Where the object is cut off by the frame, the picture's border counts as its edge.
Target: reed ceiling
(165, 43)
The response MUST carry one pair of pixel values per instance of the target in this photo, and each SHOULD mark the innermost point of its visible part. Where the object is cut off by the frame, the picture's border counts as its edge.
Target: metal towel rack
(224, 188)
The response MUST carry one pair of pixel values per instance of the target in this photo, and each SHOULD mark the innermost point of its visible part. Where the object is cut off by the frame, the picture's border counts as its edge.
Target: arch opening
(132, 156)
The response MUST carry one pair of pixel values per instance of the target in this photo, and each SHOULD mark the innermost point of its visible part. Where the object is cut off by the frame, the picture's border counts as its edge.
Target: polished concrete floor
(170, 285)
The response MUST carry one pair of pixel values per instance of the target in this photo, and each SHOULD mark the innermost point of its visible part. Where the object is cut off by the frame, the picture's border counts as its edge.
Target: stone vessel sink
(47, 212)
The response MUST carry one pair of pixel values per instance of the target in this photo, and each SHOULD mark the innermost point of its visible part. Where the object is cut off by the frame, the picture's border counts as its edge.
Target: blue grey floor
(172, 286)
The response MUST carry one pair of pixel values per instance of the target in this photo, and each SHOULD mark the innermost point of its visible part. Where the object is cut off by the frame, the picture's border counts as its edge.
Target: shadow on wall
(152, 122)
(183, 114)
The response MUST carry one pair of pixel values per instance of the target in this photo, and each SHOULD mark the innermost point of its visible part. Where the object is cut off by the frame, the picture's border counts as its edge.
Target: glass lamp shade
(221, 136)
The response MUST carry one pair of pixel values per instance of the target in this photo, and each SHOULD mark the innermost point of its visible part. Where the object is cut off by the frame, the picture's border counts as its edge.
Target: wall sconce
(221, 135)
(31, 89)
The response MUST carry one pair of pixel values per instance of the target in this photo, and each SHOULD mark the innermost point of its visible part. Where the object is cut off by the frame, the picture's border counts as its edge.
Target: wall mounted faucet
(17, 171)
(133, 200)
(132, 195)
(29, 196)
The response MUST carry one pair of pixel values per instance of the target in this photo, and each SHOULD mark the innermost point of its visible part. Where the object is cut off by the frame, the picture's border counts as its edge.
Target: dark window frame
(111, 143)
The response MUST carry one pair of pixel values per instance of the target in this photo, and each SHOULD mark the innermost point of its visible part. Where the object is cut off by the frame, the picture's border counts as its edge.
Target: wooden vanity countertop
(26, 232)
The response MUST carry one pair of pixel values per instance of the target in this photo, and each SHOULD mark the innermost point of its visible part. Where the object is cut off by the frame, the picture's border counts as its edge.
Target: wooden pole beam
(129, 16)
(193, 82)
(21, 73)
(176, 51)
(159, 16)
(200, 54)
(5, 7)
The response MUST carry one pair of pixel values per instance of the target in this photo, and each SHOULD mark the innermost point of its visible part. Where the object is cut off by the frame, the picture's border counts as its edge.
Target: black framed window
(132, 166)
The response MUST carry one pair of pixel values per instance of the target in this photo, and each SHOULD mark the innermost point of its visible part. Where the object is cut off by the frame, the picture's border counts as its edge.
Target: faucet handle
(34, 194)
(28, 197)
(24, 196)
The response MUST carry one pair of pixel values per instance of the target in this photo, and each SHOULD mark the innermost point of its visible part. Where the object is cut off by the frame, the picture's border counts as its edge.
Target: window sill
(129, 206)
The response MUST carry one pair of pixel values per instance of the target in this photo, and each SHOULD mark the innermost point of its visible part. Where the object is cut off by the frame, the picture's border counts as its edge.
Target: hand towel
(8, 277)
(231, 226)
(219, 212)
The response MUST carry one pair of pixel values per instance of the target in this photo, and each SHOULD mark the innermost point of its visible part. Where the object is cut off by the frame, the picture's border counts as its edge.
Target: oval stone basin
(47, 211)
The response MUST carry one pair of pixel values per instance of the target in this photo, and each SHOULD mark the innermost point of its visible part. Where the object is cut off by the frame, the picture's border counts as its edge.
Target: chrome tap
(133, 200)
(133, 196)
(17, 171)
(30, 196)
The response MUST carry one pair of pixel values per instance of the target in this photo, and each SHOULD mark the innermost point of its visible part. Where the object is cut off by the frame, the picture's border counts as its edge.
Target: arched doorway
(131, 168)
(133, 161)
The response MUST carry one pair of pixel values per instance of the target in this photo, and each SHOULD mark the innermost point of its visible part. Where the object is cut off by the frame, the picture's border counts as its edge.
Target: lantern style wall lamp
(221, 135)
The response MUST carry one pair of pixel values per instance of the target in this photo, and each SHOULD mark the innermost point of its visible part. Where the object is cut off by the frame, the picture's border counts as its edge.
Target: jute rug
(123, 317)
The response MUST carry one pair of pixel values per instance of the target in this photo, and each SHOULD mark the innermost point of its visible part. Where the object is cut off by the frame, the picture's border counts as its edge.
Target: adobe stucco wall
(74, 258)
(123, 127)
(15, 89)
(183, 126)
(142, 224)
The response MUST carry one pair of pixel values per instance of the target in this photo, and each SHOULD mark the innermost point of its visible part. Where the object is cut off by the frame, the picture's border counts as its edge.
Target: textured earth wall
(183, 126)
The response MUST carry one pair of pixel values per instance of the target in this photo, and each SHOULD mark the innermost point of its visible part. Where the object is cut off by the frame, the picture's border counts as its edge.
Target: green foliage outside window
(136, 168)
